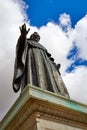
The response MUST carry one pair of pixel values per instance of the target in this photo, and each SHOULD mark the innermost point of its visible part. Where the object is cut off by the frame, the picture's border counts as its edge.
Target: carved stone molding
(46, 110)
(33, 106)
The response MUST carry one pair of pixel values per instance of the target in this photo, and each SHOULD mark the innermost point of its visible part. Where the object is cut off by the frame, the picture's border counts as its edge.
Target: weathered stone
(37, 109)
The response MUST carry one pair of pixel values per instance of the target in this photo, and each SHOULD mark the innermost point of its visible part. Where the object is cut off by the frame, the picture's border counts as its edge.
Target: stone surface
(38, 109)
(51, 125)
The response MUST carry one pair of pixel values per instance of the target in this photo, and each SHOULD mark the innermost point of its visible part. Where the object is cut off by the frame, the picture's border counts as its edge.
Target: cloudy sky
(62, 26)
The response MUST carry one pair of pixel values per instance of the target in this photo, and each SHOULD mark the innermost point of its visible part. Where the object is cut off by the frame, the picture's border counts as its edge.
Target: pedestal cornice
(39, 103)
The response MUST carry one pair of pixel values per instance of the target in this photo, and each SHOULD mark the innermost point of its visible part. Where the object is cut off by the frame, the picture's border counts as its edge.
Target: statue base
(38, 109)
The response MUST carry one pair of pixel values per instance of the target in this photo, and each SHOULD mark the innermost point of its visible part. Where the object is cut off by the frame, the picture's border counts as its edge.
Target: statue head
(35, 37)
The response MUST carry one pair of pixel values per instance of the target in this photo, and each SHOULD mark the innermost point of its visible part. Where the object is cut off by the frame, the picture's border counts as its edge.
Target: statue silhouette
(34, 65)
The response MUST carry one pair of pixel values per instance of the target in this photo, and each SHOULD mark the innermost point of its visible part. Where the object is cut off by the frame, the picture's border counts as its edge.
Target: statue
(35, 65)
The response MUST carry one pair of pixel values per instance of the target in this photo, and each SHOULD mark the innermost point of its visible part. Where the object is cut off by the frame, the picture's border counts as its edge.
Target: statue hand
(58, 66)
(23, 30)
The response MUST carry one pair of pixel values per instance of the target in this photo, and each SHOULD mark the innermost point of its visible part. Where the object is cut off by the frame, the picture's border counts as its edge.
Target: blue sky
(40, 12)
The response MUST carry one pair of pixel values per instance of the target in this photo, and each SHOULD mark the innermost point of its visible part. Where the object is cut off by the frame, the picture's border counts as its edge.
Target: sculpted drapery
(34, 65)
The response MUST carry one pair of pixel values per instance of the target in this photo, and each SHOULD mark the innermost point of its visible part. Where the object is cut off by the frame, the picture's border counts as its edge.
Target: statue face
(35, 37)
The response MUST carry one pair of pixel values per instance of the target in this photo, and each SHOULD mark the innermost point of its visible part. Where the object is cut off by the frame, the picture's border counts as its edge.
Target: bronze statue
(34, 65)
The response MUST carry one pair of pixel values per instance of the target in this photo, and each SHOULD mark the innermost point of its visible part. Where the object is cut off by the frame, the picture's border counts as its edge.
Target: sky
(62, 26)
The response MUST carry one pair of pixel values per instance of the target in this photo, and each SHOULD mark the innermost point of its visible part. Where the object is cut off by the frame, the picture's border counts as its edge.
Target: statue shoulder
(35, 44)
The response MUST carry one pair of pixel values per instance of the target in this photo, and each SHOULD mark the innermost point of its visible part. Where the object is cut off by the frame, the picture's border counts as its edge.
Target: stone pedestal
(37, 109)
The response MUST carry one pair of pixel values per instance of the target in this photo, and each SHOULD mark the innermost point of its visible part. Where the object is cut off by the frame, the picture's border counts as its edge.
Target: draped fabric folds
(34, 65)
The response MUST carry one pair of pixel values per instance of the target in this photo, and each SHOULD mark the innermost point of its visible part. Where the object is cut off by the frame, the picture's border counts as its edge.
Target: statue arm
(21, 43)
(20, 48)
(19, 64)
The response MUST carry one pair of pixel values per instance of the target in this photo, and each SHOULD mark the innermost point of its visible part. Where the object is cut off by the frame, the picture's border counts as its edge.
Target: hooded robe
(35, 66)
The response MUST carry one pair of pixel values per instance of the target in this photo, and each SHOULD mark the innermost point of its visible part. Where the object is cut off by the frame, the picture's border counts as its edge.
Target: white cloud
(53, 37)
(65, 19)
(80, 36)
(65, 22)
(76, 83)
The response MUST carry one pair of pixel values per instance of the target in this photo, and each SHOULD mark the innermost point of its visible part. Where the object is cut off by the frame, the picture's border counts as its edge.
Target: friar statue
(34, 65)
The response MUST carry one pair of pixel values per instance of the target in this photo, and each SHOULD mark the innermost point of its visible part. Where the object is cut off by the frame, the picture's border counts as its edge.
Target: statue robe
(34, 65)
